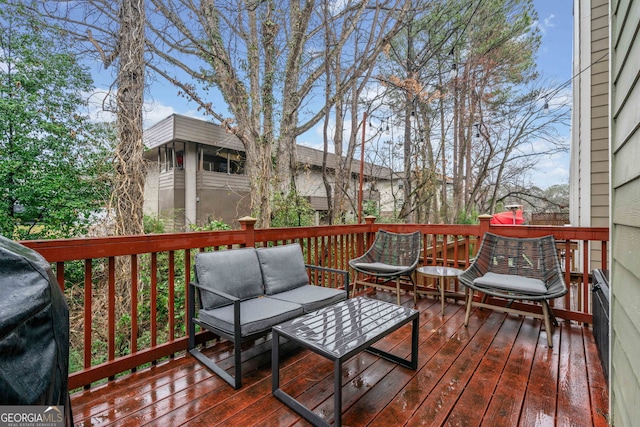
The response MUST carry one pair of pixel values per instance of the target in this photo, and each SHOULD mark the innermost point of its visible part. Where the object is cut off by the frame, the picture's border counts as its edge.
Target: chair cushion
(235, 272)
(379, 267)
(256, 315)
(312, 297)
(282, 268)
(512, 283)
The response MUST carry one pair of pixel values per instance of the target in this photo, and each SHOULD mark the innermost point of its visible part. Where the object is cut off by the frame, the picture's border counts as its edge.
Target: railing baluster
(586, 307)
(569, 296)
(187, 279)
(434, 249)
(88, 313)
(134, 303)
(154, 299)
(172, 297)
(111, 340)
(60, 274)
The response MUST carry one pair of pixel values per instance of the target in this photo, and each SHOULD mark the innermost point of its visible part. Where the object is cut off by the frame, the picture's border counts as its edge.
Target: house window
(222, 160)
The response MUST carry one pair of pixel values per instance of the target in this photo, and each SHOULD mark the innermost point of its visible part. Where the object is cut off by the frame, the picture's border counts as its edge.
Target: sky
(555, 22)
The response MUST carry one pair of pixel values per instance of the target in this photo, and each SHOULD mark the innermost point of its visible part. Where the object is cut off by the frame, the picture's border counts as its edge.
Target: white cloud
(314, 144)
(101, 101)
(561, 98)
(153, 112)
(98, 106)
(552, 169)
(548, 21)
(540, 27)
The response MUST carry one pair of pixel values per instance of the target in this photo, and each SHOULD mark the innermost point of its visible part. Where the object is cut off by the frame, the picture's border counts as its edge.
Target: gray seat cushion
(312, 297)
(380, 267)
(235, 272)
(512, 283)
(282, 268)
(256, 315)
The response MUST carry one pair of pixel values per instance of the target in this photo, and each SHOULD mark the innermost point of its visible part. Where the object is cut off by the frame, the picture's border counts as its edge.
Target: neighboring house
(589, 180)
(605, 180)
(197, 174)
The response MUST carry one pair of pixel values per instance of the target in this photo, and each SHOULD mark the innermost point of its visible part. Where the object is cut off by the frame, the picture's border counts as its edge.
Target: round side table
(440, 273)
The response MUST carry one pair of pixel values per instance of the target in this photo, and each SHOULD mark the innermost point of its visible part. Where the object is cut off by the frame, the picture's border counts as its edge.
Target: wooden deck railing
(149, 274)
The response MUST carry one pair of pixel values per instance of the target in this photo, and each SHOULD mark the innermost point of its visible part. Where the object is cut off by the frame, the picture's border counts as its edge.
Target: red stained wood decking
(498, 371)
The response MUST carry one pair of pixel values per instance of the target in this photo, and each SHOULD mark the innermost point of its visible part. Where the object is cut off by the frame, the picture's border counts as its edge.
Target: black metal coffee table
(339, 332)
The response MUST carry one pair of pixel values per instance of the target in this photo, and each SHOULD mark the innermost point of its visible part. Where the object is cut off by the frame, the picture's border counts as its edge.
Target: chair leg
(441, 283)
(398, 289)
(191, 313)
(468, 300)
(547, 322)
(237, 350)
(552, 316)
(415, 291)
(235, 382)
(355, 284)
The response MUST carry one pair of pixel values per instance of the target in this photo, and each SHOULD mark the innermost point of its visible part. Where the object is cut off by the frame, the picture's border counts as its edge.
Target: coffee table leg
(275, 361)
(292, 403)
(442, 284)
(337, 393)
(414, 344)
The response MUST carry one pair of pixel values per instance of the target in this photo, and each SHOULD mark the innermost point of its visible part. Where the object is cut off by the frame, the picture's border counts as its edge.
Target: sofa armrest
(344, 273)
(206, 288)
(192, 310)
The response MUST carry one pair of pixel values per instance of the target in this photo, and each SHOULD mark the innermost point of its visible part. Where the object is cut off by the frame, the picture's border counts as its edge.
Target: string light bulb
(454, 71)
(545, 108)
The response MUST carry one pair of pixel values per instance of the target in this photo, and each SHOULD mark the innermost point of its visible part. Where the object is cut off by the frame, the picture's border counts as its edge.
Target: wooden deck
(497, 372)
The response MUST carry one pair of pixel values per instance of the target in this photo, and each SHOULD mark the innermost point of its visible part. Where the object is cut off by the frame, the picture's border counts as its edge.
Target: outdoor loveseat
(242, 293)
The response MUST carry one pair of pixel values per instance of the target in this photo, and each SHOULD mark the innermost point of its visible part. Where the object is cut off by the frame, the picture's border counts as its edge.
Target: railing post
(369, 220)
(485, 221)
(247, 224)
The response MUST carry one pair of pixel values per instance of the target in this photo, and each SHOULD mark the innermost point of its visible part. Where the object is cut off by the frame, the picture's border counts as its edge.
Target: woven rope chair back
(529, 257)
(395, 249)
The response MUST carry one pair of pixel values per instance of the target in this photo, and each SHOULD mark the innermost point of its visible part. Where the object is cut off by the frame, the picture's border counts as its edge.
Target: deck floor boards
(496, 371)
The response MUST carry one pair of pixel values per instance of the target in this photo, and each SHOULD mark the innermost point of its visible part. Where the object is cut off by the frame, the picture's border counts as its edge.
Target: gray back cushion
(235, 272)
(282, 268)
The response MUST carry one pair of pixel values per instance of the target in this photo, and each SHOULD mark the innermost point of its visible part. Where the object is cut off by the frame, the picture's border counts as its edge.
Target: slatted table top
(344, 329)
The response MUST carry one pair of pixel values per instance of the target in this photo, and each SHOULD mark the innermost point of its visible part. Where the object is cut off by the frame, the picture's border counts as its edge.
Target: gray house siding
(625, 224)
(589, 180)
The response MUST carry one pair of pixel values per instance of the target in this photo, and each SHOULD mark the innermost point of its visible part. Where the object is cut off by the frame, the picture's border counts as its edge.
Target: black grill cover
(34, 331)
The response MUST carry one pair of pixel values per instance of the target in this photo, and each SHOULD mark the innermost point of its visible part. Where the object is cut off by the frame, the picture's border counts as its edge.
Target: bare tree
(267, 60)
(511, 142)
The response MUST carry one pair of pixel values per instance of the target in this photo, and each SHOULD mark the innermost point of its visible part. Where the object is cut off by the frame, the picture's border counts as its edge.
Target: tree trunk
(407, 207)
(128, 194)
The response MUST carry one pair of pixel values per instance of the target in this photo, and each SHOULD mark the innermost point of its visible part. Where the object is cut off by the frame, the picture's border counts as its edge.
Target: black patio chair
(390, 257)
(516, 269)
